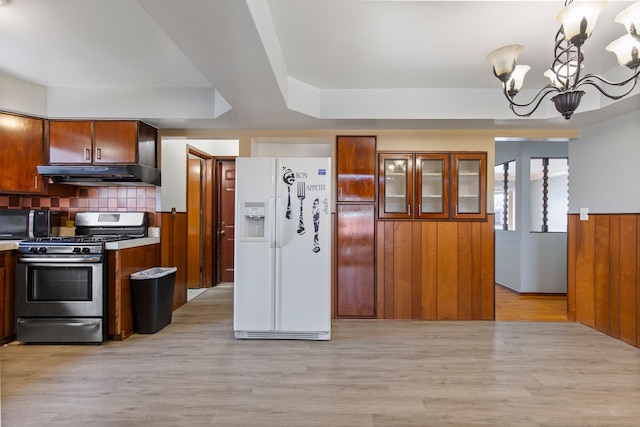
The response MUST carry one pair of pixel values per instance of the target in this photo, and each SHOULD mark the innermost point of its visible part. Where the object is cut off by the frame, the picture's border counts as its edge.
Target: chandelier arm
(608, 95)
(537, 99)
(587, 79)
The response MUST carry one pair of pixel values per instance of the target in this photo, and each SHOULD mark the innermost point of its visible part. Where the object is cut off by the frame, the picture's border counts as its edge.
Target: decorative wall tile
(101, 199)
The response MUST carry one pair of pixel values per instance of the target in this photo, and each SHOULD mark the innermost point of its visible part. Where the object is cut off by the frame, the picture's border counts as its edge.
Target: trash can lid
(152, 273)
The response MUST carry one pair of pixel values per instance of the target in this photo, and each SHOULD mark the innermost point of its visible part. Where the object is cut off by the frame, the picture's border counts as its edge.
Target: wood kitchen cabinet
(396, 186)
(8, 261)
(356, 168)
(355, 291)
(355, 256)
(20, 153)
(432, 185)
(121, 264)
(102, 142)
(435, 270)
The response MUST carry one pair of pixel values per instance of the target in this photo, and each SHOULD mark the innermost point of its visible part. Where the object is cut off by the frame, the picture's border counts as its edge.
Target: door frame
(216, 210)
(207, 225)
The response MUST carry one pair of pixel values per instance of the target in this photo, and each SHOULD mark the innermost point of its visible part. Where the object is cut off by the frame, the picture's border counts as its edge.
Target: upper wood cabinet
(356, 168)
(396, 186)
(469, 186)
(20, 153)
(432, 185)
(101, 142)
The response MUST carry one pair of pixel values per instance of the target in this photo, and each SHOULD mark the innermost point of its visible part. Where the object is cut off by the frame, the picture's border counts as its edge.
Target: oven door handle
(44, 259)
(49, 322)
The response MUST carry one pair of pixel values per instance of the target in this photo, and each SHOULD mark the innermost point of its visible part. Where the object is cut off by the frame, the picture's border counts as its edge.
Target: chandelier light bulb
(515, 82)
(630, 18)
(626, 49)
(579, 18)
(504, 60)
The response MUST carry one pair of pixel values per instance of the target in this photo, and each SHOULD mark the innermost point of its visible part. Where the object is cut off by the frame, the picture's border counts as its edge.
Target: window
(549, 191)
(504, 196)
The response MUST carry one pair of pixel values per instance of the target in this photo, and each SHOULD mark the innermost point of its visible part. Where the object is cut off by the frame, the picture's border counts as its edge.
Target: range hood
(101, 175)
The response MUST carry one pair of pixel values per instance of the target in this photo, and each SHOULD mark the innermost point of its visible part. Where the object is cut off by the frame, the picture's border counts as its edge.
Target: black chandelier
(578, 19)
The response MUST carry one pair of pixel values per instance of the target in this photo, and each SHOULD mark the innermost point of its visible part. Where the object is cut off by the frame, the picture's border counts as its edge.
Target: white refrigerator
(282, 287)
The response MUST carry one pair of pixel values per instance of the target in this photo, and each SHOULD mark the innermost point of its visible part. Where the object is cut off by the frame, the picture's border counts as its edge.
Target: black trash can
(152, 298)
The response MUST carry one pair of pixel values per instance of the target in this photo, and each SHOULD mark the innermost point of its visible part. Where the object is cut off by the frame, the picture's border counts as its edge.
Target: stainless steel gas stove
(61, 281)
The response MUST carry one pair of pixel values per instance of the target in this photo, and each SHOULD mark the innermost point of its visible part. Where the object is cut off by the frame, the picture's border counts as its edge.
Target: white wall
(22, 97)
(558, 202)
(603, 167)
(173, 156)
(508, 243)
(530, 262)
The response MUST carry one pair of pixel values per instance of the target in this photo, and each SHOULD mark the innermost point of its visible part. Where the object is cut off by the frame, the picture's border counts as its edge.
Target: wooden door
(115, 142)
(355, 287)
(194, 222)
(356, 168)
(226, 178)
(70, 142)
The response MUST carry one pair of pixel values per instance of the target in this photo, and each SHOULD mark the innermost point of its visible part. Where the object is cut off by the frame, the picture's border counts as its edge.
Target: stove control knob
(33, 250)
(42, 250)
(76, 250)
(86, 250)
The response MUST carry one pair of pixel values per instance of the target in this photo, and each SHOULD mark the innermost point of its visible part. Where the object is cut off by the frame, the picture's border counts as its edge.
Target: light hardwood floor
(534, 308)
(372, 373)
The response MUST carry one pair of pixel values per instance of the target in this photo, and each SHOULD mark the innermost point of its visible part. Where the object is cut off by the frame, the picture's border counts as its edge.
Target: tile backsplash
(94, 199)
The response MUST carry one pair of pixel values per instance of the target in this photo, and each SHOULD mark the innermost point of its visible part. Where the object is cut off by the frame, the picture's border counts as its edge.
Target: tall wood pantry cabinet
(355, 295)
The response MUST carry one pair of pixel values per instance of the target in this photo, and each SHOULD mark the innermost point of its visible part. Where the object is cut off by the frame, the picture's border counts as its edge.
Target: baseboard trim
(531, 294)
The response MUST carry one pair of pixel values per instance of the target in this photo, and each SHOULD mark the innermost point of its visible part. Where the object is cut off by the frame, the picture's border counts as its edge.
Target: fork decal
(315, 211)
(301, 195)
(288, 178)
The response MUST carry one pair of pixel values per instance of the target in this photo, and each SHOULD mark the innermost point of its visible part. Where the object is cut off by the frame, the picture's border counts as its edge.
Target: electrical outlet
(584, 214)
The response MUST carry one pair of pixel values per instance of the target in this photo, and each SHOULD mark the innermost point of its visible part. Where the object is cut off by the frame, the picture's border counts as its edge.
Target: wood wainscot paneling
(435, 270)
(173, 242)
(603, 274)
(121, 264)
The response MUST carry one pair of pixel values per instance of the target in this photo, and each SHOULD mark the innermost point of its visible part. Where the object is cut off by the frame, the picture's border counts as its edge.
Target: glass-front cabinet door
(432, 185)
(469, 174)
(396, 186)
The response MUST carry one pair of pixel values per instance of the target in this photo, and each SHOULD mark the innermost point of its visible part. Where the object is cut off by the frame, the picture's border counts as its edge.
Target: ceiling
(291, 64)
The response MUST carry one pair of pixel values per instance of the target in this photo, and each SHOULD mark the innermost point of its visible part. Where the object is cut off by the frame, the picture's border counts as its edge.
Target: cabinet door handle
(35, 182)
(99, 153)
(340, 192)
(409, 209)
(87, 154)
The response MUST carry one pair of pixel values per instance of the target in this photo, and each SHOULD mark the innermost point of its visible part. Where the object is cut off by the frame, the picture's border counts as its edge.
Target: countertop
(132, 243)
(8, 245)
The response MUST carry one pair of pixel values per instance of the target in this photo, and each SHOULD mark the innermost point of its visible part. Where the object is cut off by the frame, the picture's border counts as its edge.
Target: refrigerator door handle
(271, 222)
(278, 221)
